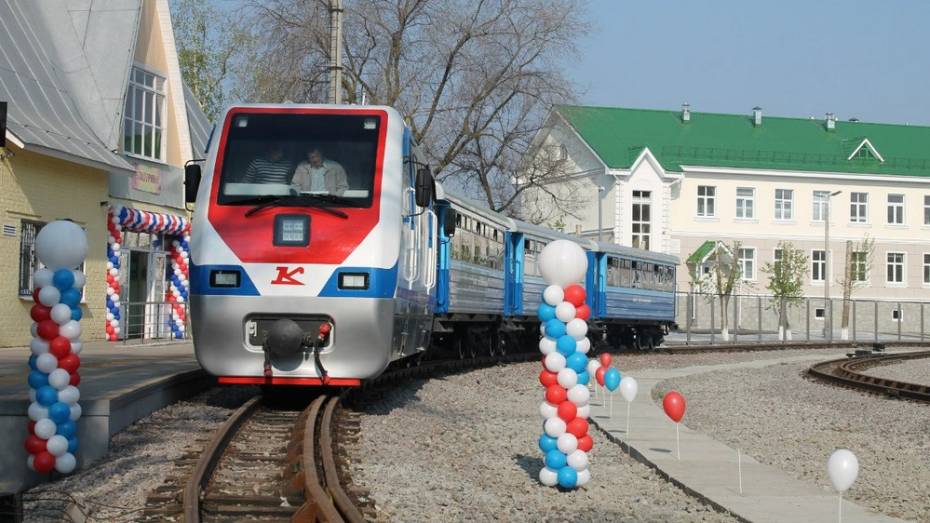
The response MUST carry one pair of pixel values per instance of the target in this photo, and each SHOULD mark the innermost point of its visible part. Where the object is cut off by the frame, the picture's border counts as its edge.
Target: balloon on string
(599, 375)
(628, 388)
(61, 245)
(605, 359)
(612, 379)
(674, 405)
(843, 469)
(562, 262)
(553, 295)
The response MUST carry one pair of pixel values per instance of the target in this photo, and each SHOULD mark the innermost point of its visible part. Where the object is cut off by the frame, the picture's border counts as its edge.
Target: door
(137, 290)
(156, 312)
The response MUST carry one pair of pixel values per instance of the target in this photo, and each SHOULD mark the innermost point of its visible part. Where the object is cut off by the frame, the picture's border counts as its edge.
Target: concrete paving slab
(710, 469)
(119, 384)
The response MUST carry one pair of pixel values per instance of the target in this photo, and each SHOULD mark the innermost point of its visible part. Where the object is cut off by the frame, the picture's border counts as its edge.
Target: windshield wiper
(276, 200)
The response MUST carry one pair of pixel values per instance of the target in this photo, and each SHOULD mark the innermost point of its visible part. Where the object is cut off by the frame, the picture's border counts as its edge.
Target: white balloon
(45, 428)
(547, 477)
(584, 476)
(562, 262)
(42, 278)
(843, 469)
(110, 291)
(70, 330)
(38, 346)
(593, 365)
(65, 463)
(61, 314)
(57, 445)
(554, 362)
(61, 245)
(46, 362)
(546, 345)
(565, 312)
(75, 412)
(76, 347)
(49, 296)
(110, 316)
(553, 295)
(577, 328)
(548, 410)
(70, 395)
(567, 378)
(628, 388)
(109, 266)
(567, 443)
(579, 395)
(116, 298)
(36, 411)
(584, 412)
(79, 279)
(578, 460)
(583, 345)
(555, 427)
(115, 247)
(59, 378)
(114, 272)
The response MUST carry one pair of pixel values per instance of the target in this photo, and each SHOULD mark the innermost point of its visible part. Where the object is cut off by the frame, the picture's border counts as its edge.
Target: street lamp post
(827, 318)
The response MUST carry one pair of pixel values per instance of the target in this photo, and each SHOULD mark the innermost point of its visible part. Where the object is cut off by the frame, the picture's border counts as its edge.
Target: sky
(869, 60)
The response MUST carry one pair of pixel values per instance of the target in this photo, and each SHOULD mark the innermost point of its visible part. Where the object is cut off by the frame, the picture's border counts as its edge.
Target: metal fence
(151, 321)
(751, 318)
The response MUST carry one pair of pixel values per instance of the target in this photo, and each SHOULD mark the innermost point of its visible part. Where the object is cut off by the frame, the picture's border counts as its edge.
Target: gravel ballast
(910, 371)
(786, 420)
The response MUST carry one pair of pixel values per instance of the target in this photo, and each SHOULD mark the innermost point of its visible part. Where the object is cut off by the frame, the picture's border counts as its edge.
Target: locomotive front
(295, 245)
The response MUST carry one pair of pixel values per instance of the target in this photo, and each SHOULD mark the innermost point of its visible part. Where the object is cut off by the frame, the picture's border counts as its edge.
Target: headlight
(351, 280)
(224, 278)
(292, 230)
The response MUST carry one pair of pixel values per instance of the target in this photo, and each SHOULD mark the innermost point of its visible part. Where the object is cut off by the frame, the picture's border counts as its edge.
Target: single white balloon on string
(567, 378)
(555, 427)
(61, 314)
(61, 245)
(562, 262)
(46, 362)
(66, 463)
(579, 395)
(583, 345)
(546, 345)
(565, 312)
(49, 296)
(553, 295)
(843, 469)
(548, 477)
(628, 388)
(578, 460)
(59, 378)
(567, 443)
(45, 428)
(578, 329)
(548, 410)
(554, 362)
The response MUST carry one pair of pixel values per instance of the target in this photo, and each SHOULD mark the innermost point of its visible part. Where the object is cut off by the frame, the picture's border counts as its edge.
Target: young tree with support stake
(786, 277)
(727, 276)
(858, 266)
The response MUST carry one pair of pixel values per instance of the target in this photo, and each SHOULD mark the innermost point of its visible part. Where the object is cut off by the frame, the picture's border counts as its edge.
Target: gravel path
(140, 458)
(786, 420)
(463, 448)
(911, 371)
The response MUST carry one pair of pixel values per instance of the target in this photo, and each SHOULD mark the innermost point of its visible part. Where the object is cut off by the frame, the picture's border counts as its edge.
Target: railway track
(846, 372)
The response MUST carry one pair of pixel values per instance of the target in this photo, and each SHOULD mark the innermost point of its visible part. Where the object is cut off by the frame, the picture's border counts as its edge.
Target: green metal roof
(701, 252)
(618, 136)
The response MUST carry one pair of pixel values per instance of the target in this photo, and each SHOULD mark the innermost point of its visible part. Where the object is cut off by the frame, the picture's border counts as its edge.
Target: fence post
(735, 318)
(875, 320)
(712, 314)
(900, 314)
(688, 320)
(829, 324)
(921, 321)
(854, 320)
(807, 315)
(759, 314)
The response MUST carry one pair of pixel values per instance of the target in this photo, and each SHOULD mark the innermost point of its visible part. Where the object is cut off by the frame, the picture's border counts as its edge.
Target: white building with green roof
(672, 180)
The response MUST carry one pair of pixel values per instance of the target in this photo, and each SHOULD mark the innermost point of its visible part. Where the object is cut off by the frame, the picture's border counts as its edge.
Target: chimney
(685, 112)
(831, 121)
(853, 119)
(757, 116)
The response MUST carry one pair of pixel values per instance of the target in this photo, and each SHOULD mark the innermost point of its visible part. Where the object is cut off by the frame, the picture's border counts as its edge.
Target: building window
(641, 219)
(818, 265)
(144, 115)
(707, 196)
(28, 261)
(896, 209)
(784, 199)
(747, 263)
(858, 266)
(895, 267)
(819, 313)
(819, 212)
(927, 209)
(745, 200)
(927, 269)
(858, 207)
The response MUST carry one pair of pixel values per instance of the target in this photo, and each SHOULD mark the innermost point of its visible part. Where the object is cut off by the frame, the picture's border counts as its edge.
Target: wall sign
(146, 179)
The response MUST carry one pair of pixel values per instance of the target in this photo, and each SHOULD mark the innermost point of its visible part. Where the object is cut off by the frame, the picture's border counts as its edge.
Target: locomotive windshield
(288, 157)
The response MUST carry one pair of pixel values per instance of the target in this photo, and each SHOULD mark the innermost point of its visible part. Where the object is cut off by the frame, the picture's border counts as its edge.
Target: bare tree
(786, 283)
(858, 266)
(727, 277)
(474, 79)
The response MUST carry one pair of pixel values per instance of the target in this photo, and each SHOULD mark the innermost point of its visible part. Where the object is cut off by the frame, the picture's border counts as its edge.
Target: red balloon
(75, 379)
(599, 375)
(605, 359)
(585, 443)
(548, 378)
(109, 329)
(47, 330)
(70, 363)
(40, 312)
(35, 295)
(60, 347)
(574, 294)
(31, 427)
(44, 462)
(674, 405)
(34, 444)
(583, 312)
(555, 394)
(567, 411)
(578, 427)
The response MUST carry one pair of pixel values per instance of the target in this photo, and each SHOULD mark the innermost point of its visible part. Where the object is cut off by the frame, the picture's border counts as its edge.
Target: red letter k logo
(286, 277)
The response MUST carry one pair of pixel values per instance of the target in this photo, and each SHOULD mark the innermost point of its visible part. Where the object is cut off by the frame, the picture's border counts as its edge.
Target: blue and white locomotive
(322, 250)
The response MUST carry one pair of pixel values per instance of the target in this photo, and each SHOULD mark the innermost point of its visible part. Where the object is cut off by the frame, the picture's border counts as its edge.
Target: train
(323, 250)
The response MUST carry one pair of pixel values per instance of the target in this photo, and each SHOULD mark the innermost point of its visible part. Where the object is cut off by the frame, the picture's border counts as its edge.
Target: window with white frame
(144, 115)
(859, 267)
(28, 261)
(927, 269)
(641, 223)
(895, 267)
(747, 263)
(745, 202)
(784, 201)
(927, 209)
(896, 209)
(707, 196)
(819, 212)
(858, 207)
(818, 265)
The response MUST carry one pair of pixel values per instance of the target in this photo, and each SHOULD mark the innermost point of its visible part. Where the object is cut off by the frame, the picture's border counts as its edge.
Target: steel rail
(845, 372)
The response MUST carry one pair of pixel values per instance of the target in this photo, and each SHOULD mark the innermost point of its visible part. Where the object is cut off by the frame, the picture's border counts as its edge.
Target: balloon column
(61, 246)
(563, 313)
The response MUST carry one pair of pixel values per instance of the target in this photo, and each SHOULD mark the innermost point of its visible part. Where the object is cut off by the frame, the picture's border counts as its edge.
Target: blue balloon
(59, 412)
(63, 279)
(555, 328)
(32, 362)
(612, 379)
(71, 297)
(47, 395)
(72, 444)
(38, 379)
(583, 378)
(565, 345)
(66, 429)
(76, 314)
(578, 362)
(555, 459)
(547, 443)
(568, 477)
(545, 312)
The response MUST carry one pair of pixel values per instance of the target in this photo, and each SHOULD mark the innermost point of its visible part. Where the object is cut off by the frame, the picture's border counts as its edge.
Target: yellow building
(99, 128)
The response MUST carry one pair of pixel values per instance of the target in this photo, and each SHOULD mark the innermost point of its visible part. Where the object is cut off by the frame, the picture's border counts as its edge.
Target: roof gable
(865, 150)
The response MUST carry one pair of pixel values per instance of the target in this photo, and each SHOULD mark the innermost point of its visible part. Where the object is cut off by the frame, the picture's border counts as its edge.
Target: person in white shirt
(319, 174)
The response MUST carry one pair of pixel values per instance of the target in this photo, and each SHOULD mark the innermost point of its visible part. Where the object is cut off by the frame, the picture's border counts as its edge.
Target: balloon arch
(177, 231)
